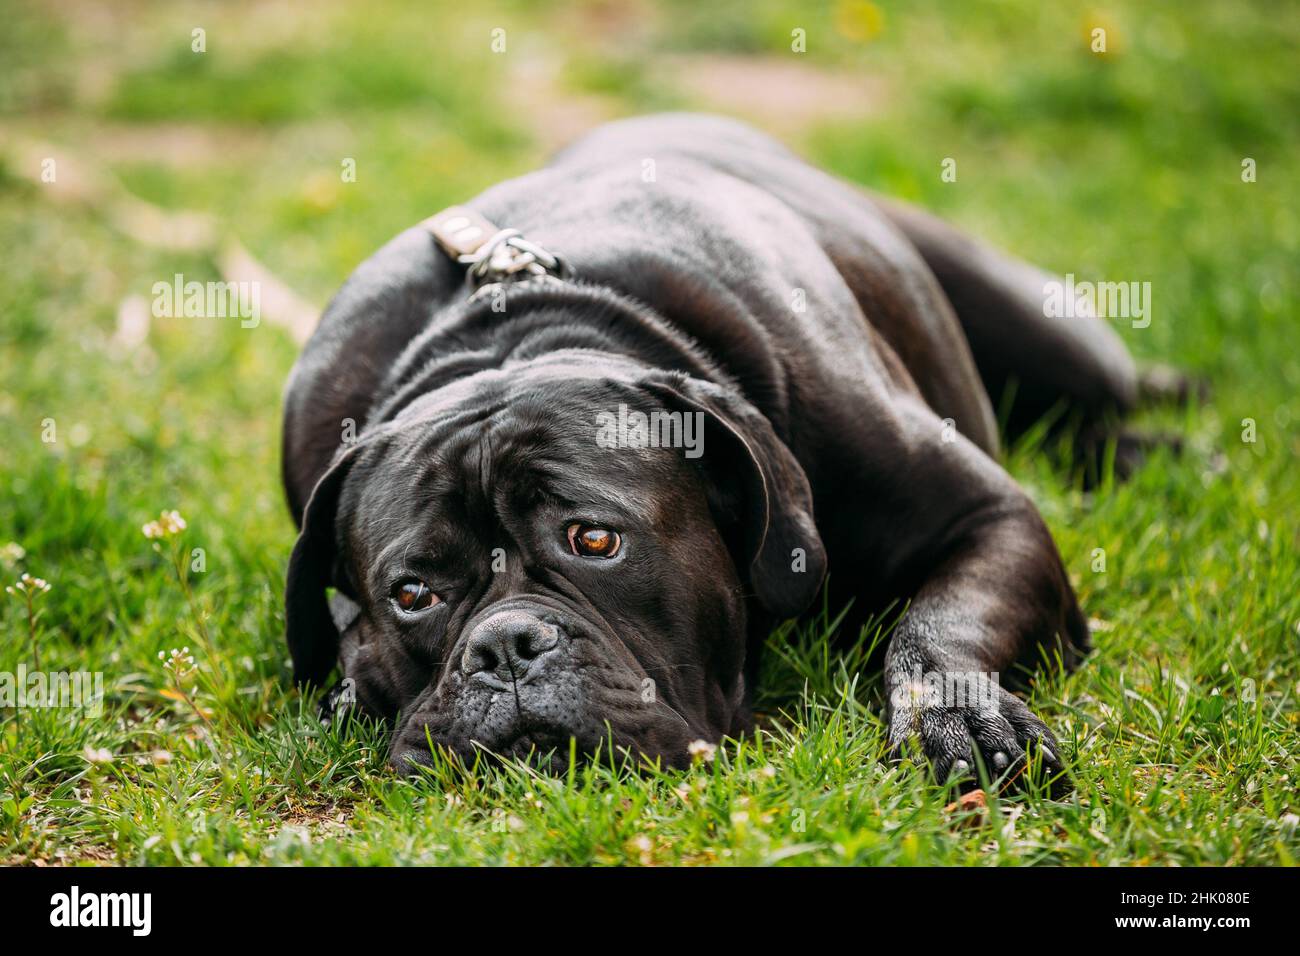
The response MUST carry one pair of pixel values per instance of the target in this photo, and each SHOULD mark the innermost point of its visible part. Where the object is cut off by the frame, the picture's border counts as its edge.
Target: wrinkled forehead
(571, 446)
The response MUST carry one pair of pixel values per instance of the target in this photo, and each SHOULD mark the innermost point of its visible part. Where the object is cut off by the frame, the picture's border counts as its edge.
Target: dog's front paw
(955, 724)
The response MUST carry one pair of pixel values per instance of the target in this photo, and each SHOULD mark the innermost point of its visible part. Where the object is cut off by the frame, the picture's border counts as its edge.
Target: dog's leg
(999, 599)
(989, 595)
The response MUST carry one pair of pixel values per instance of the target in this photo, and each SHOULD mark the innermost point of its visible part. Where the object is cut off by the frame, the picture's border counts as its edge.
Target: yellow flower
(859, 20)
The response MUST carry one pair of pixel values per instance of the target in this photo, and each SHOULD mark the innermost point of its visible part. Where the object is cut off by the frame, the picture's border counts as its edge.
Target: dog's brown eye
(413, 595)
(589, 541)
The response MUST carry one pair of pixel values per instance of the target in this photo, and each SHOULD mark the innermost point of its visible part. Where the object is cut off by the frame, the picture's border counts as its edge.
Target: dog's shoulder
(384, 303)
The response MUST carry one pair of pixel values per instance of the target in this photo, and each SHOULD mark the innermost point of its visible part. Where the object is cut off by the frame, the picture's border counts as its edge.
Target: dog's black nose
(507, 644)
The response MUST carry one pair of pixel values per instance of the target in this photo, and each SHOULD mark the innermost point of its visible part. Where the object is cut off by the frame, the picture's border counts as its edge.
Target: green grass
(1181, 730)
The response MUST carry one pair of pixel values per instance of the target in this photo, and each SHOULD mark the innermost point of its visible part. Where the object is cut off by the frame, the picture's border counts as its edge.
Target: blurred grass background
(1124, 165)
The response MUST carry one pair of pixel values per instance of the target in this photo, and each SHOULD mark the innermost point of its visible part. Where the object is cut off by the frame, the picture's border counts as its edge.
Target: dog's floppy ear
(309, 627)
(760, 492)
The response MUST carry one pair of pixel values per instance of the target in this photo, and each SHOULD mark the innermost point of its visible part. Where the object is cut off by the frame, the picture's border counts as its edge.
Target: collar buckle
(494, 256)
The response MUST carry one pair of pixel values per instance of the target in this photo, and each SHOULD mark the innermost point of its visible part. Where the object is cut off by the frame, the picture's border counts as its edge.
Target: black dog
(519, 559)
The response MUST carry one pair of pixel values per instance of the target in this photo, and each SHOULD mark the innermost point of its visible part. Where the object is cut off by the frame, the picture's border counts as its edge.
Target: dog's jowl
(602, 434)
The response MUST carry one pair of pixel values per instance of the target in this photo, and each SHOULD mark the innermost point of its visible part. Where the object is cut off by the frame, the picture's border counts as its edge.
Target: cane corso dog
(566, 456)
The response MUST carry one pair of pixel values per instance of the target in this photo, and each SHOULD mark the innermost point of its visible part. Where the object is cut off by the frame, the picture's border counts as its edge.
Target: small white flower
(702, 750)
(172, 522)
(98, 755)
(167, 524)
(179, 662)
(26, 584)
(643, 845)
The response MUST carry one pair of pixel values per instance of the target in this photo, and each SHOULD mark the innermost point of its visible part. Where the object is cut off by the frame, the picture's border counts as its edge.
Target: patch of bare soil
(779, 93)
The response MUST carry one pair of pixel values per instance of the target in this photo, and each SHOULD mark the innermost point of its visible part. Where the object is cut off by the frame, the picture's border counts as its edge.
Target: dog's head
(530, 564)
